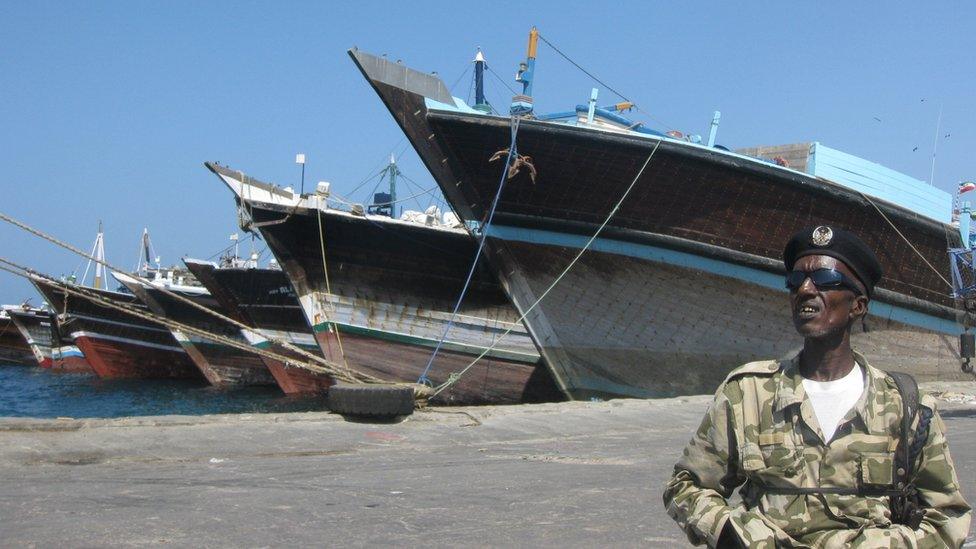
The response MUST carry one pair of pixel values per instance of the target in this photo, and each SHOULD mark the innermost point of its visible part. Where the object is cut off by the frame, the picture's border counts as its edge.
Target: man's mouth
(807, 311)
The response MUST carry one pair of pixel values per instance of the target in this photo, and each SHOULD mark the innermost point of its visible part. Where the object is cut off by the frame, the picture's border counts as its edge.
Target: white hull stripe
(117, 323)
(94, 335)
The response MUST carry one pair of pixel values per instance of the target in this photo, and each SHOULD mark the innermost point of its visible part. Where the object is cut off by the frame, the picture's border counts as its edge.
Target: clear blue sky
(108, 109)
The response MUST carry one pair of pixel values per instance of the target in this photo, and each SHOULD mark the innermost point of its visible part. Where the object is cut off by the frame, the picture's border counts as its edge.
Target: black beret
(839, 244)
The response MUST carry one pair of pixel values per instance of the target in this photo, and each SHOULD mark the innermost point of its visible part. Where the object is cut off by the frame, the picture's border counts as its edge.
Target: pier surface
(570, 474)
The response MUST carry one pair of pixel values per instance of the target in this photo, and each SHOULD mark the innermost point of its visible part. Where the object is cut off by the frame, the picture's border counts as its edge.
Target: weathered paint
(691, 261)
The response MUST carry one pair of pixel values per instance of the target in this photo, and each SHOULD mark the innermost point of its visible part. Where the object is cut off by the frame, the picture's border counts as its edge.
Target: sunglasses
(823, 279)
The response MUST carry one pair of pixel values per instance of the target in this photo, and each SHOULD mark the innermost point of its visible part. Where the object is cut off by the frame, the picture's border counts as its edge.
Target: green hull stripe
(473, 350)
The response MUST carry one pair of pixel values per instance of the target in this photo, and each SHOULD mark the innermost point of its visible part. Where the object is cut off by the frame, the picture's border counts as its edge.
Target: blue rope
(481, 244)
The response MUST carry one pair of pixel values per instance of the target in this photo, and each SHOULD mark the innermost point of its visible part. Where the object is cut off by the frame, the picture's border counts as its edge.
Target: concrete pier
(571, 474)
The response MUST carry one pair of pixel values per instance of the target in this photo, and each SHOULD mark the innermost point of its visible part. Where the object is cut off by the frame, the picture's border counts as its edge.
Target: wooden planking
(796, 154)
(878, 181)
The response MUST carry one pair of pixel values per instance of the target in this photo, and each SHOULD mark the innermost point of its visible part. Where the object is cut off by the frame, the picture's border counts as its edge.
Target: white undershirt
(832, 400)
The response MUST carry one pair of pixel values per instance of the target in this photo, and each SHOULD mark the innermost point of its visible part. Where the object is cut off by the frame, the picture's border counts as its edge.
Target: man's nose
(806, 288)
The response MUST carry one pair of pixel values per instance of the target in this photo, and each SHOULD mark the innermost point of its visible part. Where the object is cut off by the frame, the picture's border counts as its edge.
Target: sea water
(35, 392)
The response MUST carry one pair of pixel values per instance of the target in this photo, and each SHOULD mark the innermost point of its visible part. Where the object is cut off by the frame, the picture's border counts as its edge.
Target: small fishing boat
(379, 294)
(264, 299)
(648, 263)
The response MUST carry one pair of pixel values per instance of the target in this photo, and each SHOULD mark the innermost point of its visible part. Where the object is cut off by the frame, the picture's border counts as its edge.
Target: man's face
(818, 313)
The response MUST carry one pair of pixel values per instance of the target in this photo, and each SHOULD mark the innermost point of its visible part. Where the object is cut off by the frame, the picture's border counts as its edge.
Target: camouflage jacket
(761, 433)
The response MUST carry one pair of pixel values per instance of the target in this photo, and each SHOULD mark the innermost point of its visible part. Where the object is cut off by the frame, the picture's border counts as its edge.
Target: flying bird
(915, 149)
(947, 136)
(878, 119)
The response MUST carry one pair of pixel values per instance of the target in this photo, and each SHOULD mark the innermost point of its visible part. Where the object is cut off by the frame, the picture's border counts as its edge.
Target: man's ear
(859, 307)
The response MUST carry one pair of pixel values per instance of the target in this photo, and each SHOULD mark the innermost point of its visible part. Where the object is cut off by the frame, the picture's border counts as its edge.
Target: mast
(98, 253)
(145, 253)
(522, 104)
(383, 203)
(145, 250)
(393, 171)
(100, 256)
(480, 103)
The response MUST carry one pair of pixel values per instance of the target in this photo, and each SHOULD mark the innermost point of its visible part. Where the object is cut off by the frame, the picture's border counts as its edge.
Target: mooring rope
(903, 237)
(286, 344)
(328, 287)
(423, 379)
(78, 291)
(455, 376)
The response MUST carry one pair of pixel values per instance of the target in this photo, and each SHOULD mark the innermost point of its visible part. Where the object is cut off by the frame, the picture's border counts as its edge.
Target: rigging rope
(500, 79)
(455, 376)
(912, 246)
(328, 287)
(481, 244)
(341, 200)
(286, 344)
(602, 83)
(78, 291)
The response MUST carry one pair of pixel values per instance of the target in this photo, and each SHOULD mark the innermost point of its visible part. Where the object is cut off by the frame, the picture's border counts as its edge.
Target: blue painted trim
(458, 106)
(74, 352)
(556, 115)
(721, 268)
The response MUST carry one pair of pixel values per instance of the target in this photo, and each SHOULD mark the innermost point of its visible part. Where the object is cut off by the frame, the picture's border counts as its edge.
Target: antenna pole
(300, 159)
(522, 104)
(393, 174)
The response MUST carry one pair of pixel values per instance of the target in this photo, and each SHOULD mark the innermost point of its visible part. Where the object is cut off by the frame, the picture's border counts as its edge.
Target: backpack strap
(908, 389)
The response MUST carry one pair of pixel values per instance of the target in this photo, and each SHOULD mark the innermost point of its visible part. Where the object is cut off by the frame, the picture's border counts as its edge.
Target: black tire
(371, 400)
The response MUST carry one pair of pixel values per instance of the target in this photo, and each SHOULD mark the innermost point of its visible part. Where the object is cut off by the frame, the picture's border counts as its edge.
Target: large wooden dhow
(221, 364)
(263, 298)
(389, 296)
(685, 281)
(51, 348)
(116, 343)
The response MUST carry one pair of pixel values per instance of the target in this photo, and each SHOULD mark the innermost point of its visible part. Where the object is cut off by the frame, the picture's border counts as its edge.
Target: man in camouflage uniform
(761, 433)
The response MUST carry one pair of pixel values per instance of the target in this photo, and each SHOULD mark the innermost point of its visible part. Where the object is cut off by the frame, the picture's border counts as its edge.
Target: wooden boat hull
(662, 339)
(51, 351)
(264, 299)
(222, 365)
(37, 329)
(393, 287)
(497, 380)
(70, 360)
(293, 380)
(112, 358)
(13, 347)
(611, 326)
(118, 345)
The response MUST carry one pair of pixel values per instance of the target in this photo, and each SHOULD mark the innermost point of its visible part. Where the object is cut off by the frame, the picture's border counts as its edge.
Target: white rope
(454, 377)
